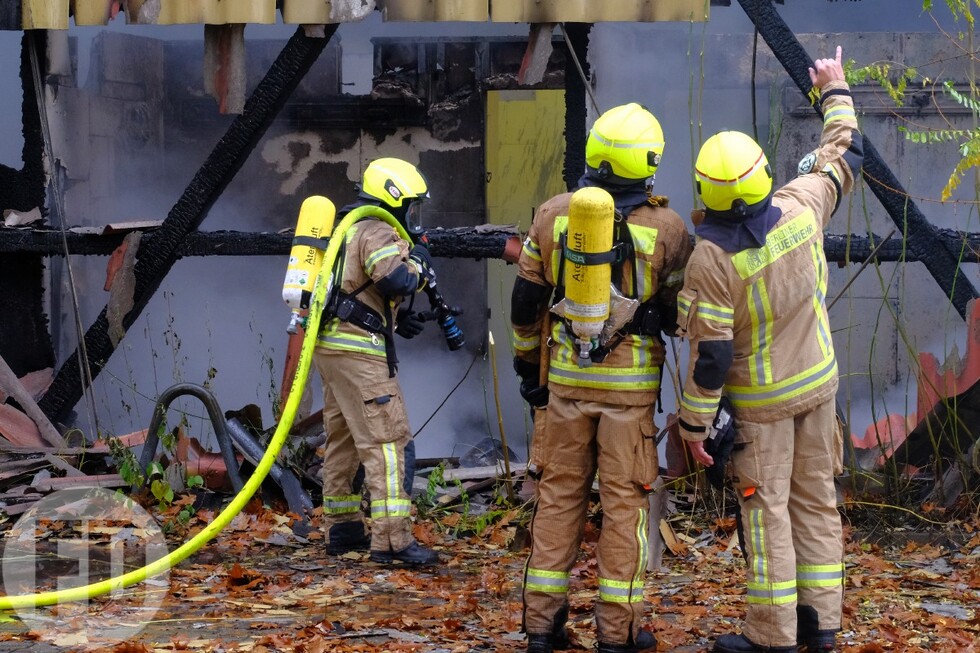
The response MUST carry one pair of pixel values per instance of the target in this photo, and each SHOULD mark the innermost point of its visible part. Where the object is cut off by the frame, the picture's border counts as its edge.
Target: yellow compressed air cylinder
(590, 231)
(316, 217)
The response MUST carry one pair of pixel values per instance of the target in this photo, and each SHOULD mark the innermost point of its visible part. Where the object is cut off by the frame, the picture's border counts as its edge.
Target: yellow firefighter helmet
(624, 145)
(393, 182)
(732, 173)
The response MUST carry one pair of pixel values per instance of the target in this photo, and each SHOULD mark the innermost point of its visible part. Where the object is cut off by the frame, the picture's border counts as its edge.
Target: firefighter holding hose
(364, 411)
(611, 256)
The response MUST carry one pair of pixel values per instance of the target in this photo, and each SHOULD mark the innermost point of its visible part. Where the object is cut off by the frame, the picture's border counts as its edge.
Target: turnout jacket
(756, 319)
(630, 373)
(372, 252)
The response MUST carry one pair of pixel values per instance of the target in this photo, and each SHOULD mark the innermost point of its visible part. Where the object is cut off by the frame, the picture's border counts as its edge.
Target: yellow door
(525, 150)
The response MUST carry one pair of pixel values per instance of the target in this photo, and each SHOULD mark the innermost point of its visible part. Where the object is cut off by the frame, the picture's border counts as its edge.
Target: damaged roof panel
(54, 14)
(588, 11)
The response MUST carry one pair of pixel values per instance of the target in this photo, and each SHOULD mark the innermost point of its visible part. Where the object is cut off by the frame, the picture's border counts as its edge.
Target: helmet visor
(413, 217)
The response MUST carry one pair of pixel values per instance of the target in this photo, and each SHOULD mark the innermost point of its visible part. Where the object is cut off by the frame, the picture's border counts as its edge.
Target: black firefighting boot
(808, 631)
(742, 644)
(643, 642)
(539, 644)
(347, 536)
(559, 631)
(414, 554)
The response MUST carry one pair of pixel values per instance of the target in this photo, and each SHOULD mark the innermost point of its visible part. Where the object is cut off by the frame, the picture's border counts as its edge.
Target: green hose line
(323, 283)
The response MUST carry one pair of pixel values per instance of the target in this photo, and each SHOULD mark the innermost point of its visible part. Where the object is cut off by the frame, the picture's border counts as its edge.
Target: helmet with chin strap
(624, 146)
(399, 187)
(732, 174)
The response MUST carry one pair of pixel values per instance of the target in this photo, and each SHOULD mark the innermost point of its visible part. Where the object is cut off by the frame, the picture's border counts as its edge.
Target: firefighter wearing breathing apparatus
(364, 413)
(588, 252)
(753, 310)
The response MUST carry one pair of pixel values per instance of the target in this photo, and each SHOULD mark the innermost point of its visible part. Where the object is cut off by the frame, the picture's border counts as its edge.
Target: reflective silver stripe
(700, 405)
(531, 249)
(760, 314)
(820, 575)
(717, 313)
(758, 567)
(839, 112)
(338, 505)
(771, 593)
(770, 394)
(610, 379)
(350, 342)
(378, 256)
(652, 145)
(819, 297)
(391, 508)
(392, 477)
(542, 580)
(618, 591)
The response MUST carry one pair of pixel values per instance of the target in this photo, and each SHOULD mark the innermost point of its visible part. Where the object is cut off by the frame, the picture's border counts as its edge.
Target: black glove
(420, 255)
(535, 394)
(407, 324)
(720, 442)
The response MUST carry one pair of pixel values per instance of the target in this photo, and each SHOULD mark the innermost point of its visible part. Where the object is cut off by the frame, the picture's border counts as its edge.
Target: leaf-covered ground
(258, 588)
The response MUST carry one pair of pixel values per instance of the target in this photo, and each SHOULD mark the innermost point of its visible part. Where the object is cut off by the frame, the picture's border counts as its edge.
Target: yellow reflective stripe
(625, 145)
(699, 405)
(771, 593)
(823, 329)
(831, 171)
(641, 539)
(794, 386)
(620, 591)
(715, 313)
(393, 480)
(351, 342)
(560, 226)
(758, 567)
(644, 242)
(378, 256)
(543, 580)
(780, 241)
(531, 249)
(839, 112)
(820, 575)
(606, 378)
(760, 312)
(391, 508)
(342, 504)
(525, 344)
(683, 308)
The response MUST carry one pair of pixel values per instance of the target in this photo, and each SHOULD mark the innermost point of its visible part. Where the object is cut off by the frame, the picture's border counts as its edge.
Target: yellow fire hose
(323, 283)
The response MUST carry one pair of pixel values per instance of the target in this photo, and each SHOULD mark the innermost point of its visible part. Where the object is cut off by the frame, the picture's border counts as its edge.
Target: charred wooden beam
(923, 239)
(24, 335)
(576, 108)
(484, 242)
(156, 258)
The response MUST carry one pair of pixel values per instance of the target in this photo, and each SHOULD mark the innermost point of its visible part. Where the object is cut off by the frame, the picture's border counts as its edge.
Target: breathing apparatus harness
(348, 308)
(646, 320)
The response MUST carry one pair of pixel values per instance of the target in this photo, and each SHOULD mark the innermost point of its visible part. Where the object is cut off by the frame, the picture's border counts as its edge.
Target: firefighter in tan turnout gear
(364, 412)
(753, 310)
(600, 409)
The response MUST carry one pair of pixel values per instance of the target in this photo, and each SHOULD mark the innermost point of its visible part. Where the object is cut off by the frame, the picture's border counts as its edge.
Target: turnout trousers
(784, 476)
(365, 421)
(582, 437)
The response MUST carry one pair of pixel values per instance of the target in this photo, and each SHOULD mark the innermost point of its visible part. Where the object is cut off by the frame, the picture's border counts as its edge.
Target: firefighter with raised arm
(363, 407)
(753, 311)
(608, 259)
